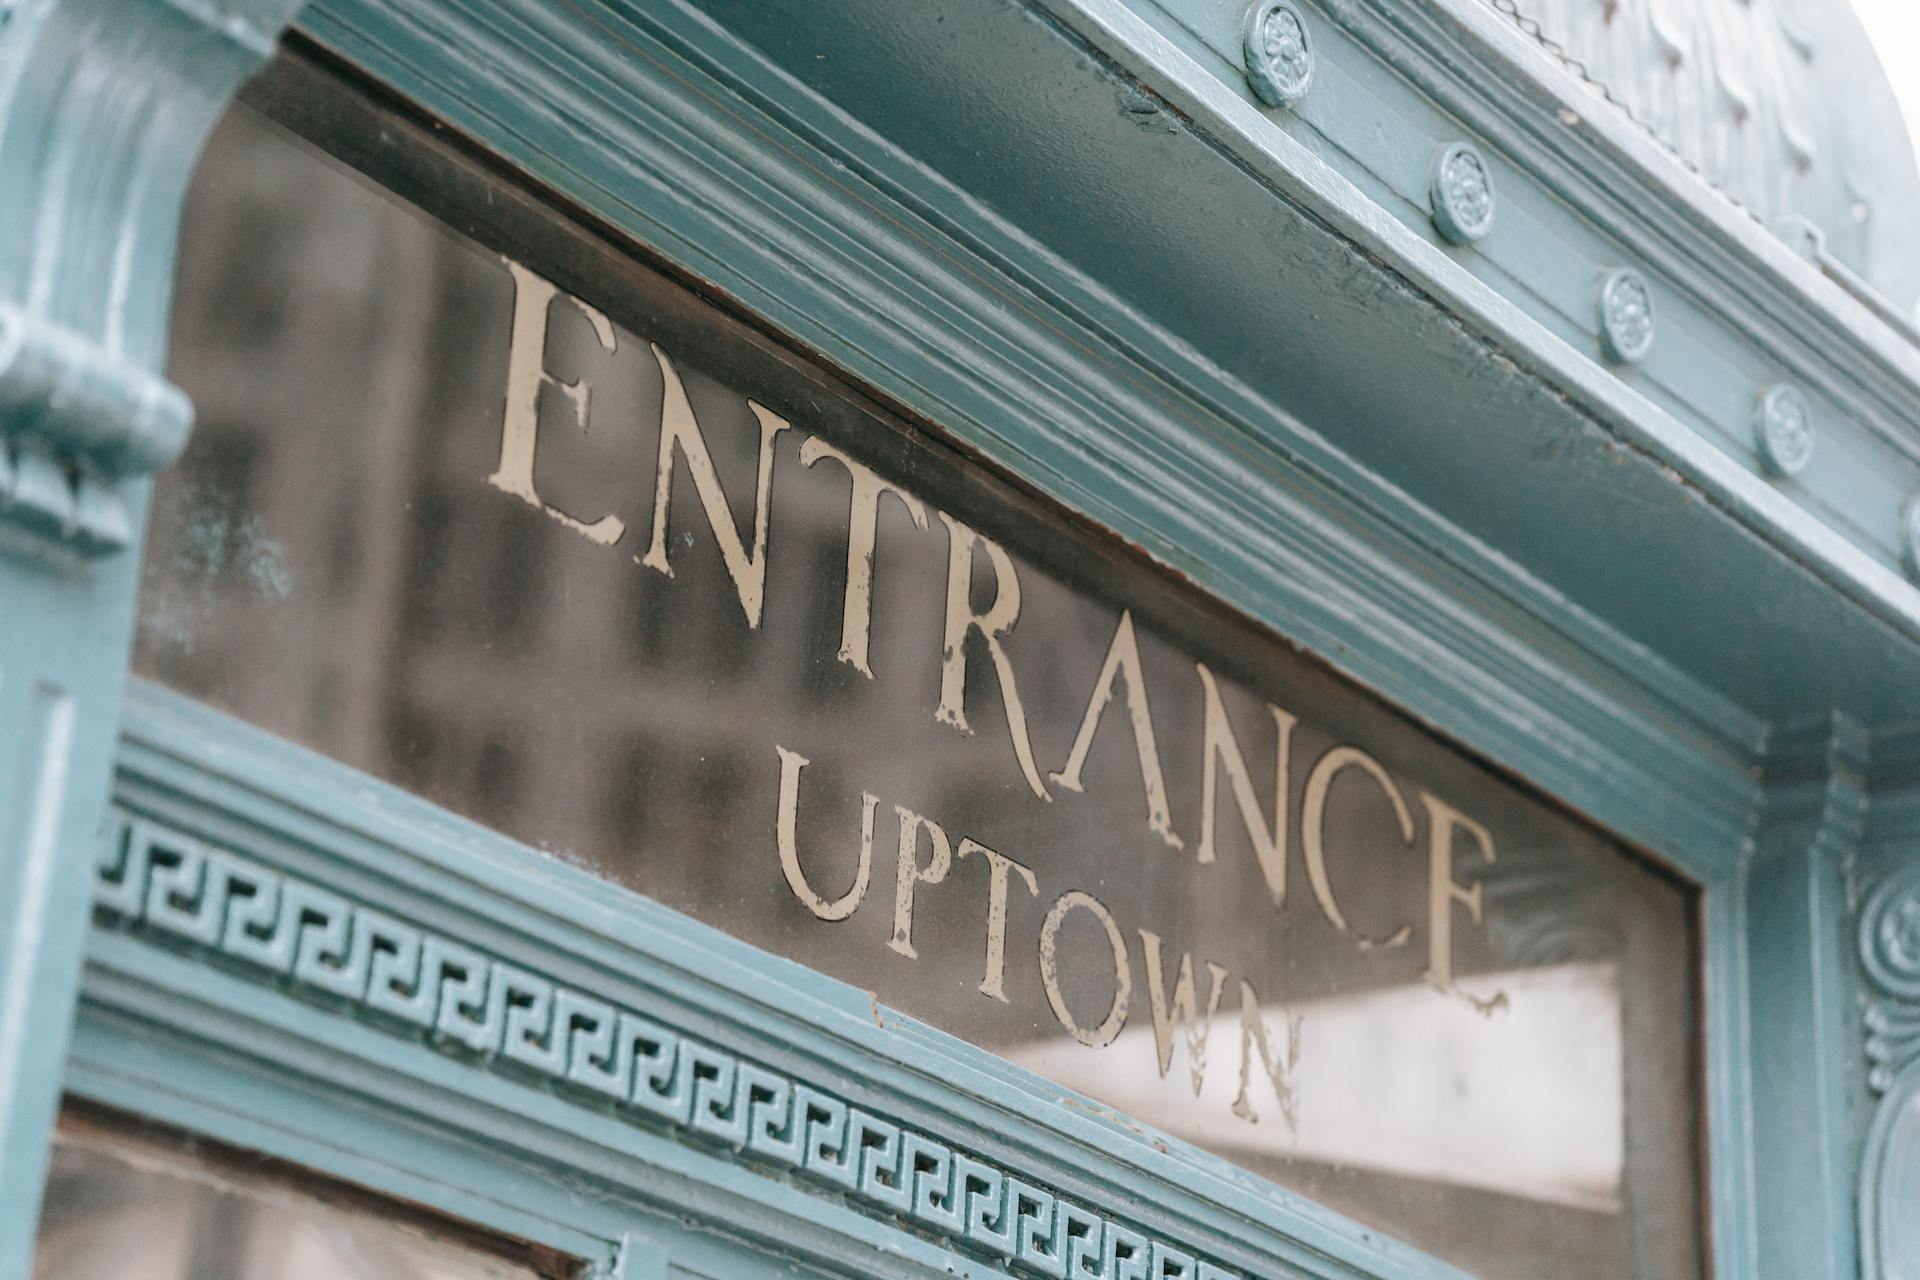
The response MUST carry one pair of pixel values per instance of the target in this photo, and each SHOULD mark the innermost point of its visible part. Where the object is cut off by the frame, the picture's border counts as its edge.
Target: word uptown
(1121, 678)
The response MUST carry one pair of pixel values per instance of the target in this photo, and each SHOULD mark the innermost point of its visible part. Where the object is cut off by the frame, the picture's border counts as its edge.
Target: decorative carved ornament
(1625, 304)
(104, 105)
(78, 422)
(1890, 950)
(1783, 429)
(1890, 1172)
(319, 945)
(1461, 188)
(1279, 53)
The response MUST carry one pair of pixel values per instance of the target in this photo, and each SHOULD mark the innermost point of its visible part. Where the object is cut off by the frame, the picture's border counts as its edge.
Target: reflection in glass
(346, 558)
(118, 1210)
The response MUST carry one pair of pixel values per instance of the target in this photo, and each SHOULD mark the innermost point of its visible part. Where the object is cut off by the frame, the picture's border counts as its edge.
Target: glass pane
(120, 1210)
(559, 545)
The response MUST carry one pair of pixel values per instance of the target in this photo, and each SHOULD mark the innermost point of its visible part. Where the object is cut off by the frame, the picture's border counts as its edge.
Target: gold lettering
(679, 428)
(1442, 891)
(1313, 812)
(1221, 747)
(1183, 1013)
(1253, 1036)
(526, 374)
(786, 818)
(1000, 618)
(1123, 656)
(1050, 973)
(998, 864)
(856, 613)
(911, 873)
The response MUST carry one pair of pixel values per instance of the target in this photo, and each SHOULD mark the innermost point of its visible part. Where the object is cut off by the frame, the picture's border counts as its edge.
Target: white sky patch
(1894, 28)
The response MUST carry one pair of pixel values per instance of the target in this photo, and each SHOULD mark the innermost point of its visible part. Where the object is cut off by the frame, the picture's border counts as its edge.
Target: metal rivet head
(1910, 533)
(1462, 191)
(1279, 53)
(1626, 315)
(1783, 428)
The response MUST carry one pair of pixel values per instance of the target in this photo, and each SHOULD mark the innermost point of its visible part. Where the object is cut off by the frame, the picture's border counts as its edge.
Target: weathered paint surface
(1229, 335)
(103, 106)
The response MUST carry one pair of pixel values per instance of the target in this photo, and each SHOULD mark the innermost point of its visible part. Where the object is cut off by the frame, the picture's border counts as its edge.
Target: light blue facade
(1074, 234)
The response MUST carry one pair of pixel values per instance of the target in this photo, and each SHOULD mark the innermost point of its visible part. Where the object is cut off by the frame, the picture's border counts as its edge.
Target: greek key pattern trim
(322, 945)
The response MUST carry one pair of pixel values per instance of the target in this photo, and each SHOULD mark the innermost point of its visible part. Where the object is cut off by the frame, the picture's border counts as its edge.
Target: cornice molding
(1481, 68)
(1464, 57)
(1818, 787)
(1819, 770)
(104, 106)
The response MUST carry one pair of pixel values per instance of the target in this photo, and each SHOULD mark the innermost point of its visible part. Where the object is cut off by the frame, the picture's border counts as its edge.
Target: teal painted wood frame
(805, 204)
(103, 106)
(766, 188)
(196, 1018)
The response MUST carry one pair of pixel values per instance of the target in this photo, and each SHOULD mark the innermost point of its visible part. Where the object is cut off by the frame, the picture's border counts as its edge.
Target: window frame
(294, 813)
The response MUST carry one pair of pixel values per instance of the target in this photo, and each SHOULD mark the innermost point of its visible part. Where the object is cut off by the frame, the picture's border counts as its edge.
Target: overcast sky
(1894, 26)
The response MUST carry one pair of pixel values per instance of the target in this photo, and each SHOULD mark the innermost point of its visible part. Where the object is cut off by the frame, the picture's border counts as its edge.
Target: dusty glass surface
(856, 700)
(117, 1209)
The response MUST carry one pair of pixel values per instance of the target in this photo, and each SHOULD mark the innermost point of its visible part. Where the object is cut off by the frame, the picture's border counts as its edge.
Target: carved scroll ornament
(1890, 1171)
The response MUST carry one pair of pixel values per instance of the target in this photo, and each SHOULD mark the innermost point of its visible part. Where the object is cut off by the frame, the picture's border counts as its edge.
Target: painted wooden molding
(104, 105)
(1637, 188)
(78, 420)
(636, 1258)
(1798, 941)
(1704, 256)
(417, 982)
